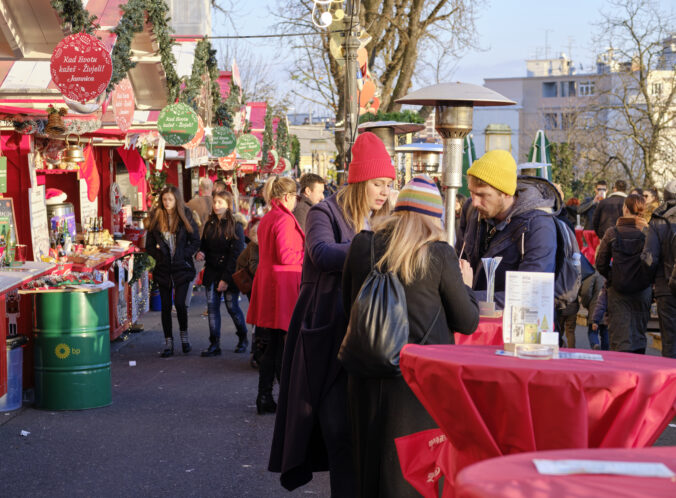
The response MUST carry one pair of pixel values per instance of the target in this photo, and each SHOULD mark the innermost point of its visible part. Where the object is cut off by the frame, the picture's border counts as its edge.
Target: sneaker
(596, 347)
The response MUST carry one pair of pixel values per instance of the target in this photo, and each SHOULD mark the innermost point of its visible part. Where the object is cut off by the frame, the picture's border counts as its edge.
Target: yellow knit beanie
(498, 169)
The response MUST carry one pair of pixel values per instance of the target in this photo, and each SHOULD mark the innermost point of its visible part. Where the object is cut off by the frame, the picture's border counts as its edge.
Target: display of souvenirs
(69, 279)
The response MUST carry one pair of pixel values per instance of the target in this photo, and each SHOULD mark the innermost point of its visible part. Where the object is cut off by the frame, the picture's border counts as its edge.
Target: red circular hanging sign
(123, 104)
(81, 67)
(228, 162)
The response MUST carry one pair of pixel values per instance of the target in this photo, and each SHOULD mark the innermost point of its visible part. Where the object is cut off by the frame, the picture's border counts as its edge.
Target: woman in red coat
(277, 282)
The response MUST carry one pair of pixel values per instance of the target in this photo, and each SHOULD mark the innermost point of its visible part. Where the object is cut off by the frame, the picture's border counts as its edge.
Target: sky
(509, 32)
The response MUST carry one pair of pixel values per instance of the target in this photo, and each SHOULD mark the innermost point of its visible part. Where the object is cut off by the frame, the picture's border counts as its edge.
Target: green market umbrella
(540, 153)
(468, 157)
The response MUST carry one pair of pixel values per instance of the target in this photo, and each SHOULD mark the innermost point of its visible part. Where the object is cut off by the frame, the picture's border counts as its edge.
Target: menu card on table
(568, 467)
(529, 307)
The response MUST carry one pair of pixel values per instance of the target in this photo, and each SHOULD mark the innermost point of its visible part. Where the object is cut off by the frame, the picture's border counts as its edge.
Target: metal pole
(351, 105)
(451, 181)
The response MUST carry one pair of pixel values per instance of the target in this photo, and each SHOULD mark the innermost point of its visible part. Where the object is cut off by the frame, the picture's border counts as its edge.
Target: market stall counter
(117, 263)
(15, 313)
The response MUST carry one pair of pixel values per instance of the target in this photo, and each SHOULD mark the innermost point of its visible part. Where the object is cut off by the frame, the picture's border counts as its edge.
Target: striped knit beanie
(420, 195)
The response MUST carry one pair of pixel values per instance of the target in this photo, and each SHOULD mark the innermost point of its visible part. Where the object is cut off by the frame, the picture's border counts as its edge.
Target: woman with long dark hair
(411, 244)
(222, 242)
(629, 286)
(173, 239)
(276, 283)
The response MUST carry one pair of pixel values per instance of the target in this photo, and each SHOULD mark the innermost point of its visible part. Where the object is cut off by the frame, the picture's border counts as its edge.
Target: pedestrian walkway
(182, 426)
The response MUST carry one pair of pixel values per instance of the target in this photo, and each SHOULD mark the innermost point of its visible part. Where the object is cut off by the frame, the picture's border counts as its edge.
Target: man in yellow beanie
(509, 217)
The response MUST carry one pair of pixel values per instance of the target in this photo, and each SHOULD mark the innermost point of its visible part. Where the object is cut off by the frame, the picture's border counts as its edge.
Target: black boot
(185, 343)
(265, 404)
(213, 350)
(242, 345)
(168, 348)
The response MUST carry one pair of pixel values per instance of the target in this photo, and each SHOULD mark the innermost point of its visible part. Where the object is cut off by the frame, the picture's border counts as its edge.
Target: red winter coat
(277, 280)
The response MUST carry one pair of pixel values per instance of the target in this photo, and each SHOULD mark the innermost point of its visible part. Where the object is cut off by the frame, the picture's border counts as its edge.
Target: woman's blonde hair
(407, 252)
(277, 187)
(355, 205)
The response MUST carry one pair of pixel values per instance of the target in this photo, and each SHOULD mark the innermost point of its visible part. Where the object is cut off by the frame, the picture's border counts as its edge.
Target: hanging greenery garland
(75, 16)
(132, 22)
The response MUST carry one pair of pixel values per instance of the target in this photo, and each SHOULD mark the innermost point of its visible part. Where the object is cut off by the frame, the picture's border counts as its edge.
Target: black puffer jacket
(656, 248)
(220, 253)
(607, 212)
(180, 268)
(625, 273)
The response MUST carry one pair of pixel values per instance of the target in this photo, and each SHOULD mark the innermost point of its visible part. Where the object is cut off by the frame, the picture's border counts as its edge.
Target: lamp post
(387, 131)
(454, 104)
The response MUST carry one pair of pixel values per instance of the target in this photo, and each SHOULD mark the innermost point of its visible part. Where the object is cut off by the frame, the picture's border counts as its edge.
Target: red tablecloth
(489, 332)
(491, 405)
(516, 476)
(588, 241)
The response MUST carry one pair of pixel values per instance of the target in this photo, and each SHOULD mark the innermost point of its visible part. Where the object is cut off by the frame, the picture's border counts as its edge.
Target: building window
(587, 88)
(572, 88)
(549, 90)
(567, 120)
(656, 89)
(551, 121)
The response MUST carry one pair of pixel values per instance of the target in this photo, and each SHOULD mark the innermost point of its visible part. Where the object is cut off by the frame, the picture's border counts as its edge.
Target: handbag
(378, 327)
(243, 280)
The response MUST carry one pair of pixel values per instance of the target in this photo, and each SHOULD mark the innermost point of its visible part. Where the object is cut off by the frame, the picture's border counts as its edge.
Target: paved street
(184, 426)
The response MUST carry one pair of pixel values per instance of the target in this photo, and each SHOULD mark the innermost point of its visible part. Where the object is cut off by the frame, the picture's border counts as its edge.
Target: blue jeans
(594, 336)
(231, 304)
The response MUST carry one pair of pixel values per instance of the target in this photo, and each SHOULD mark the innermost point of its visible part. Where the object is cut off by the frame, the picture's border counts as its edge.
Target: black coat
(373, 401)
(310, 367)
(657, 246)
(220, 253)
(302, 209)
(607, 212)
(181, 268)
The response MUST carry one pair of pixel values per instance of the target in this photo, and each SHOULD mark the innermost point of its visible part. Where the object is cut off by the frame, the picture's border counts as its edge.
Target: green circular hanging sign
(222, 142)
(248, 146)
(178, 124)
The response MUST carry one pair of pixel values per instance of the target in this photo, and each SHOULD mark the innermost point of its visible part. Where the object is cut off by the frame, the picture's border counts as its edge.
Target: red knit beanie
(369, 160)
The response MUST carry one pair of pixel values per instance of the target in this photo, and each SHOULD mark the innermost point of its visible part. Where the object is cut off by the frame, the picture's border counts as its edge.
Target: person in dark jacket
(411, 244)
(508, 218)
(657, 261)
(609, 209)
(599, 318)
(173, 239)
(222, 242)
(312, 429)
(629, 293)
(311, 192)
(592, 283)
(587, 208)
(249, 260)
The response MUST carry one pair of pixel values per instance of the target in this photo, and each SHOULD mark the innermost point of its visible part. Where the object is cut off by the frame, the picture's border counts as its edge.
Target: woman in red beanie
(312, 428)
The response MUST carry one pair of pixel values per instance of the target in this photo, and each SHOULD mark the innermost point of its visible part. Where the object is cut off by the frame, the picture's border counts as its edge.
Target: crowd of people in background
(308, 253)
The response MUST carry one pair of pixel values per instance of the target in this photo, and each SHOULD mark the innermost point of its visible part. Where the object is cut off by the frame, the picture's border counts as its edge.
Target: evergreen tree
(282, 138)
(268, 140)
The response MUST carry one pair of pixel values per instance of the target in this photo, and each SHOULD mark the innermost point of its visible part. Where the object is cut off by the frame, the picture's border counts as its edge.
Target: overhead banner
(123, 104)
(178, 124)
(81, 67)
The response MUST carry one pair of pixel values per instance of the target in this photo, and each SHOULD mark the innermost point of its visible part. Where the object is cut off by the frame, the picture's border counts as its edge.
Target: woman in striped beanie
(411, 243)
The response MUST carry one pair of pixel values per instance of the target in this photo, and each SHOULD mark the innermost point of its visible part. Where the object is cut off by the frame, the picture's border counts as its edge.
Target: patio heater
(387, 131)
(454, 103)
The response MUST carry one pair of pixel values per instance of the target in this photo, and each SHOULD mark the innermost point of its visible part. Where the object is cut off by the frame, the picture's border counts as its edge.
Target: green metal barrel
(72, 350)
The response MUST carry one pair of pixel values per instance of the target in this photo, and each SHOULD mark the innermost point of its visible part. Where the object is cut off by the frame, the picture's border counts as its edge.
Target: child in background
(249, 259)
(599, 323)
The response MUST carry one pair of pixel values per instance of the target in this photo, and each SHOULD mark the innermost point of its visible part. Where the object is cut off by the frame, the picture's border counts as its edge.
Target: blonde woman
(173, 238)
(276, 283)
(411, 244)
(312, 429)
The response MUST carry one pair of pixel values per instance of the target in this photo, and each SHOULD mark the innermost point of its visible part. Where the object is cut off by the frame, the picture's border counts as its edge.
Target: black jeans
(180, 292)
(272, 340)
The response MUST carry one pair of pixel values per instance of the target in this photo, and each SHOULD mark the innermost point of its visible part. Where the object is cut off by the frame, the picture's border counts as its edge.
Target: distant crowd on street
(305, 265)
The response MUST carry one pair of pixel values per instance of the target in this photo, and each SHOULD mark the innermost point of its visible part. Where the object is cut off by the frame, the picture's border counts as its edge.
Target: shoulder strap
(373, 241)
(429, 330)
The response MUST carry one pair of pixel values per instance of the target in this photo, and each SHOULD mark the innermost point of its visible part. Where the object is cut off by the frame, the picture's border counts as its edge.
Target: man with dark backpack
(659, 259)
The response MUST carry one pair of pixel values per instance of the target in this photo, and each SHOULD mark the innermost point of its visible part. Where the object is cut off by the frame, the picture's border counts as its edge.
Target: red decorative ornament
(228, 162)
(198, 137)
(81, 67)
(123, 104)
